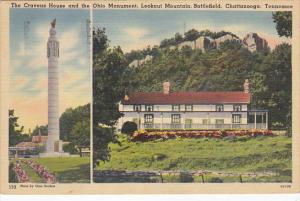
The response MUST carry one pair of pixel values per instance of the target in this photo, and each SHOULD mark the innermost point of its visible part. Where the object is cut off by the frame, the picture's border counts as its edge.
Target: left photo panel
(49, 96)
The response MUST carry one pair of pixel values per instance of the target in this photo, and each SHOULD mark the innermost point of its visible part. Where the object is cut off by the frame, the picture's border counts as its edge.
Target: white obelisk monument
(54, 144)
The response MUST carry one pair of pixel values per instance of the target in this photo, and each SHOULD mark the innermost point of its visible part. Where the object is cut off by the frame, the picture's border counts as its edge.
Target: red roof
(39, 139)
(187, 98)
(27, 144)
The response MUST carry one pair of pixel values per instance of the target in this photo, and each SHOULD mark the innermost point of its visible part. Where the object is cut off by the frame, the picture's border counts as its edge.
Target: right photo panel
(192, 96)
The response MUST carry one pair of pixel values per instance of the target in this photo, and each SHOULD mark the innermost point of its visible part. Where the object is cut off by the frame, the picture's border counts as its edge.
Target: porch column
(139, 123)
(183, 122)
(254, 120)
(267, 120)
(162, 120)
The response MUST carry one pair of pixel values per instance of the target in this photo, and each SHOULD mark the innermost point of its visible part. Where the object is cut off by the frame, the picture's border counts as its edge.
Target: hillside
(245, 155)
(222, 69)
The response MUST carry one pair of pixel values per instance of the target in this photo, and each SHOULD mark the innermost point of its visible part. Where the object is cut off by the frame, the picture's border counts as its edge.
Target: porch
(203, 126)
(255, 119)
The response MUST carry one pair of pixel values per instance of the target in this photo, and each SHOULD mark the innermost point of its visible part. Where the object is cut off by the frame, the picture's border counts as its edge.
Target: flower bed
(143, 135)
(21, 174)
(41, 171)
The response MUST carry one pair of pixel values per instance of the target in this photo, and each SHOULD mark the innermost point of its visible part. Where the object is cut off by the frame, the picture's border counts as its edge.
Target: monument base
(54, 154)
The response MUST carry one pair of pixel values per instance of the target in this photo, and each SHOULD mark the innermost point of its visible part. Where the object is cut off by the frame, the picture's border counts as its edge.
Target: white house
(192, 110)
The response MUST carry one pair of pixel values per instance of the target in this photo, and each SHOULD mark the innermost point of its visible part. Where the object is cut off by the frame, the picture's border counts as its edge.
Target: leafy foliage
(283, 20)
(70, 117)
(75, 128)
(15, 133)
(225, 69)
(109, 81)
(12, 174)
(222, 69)
(272, 85)
(129, 127)
(43, 130)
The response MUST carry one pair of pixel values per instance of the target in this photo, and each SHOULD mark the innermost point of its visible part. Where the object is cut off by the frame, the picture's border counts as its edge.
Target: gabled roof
(39, 138)
(187, 98)
(27, 144)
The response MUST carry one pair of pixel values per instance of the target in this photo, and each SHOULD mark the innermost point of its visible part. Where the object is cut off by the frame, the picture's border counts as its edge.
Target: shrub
(159, 157)
(186, 177)
(70, 148)
(216, 180)
(129, 127)
(12, 174)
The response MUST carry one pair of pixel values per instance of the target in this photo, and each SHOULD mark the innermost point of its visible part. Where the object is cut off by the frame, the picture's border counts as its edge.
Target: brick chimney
(246, 86)
(126, 97)
(166, 87)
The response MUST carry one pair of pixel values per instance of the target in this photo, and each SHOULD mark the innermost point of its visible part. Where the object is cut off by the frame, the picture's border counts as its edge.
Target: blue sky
(28, 76)
(135, 29)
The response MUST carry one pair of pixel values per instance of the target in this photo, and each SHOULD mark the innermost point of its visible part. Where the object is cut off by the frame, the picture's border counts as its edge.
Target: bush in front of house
(129, 127)
(144, 135)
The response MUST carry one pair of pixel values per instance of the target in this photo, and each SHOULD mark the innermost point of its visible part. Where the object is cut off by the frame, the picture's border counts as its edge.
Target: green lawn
(241, 155)
(66, 170)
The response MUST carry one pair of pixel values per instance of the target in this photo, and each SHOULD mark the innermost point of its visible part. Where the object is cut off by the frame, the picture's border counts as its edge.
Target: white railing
(203, 126)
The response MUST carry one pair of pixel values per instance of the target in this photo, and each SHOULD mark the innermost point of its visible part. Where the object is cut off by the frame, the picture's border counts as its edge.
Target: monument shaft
(53, 91)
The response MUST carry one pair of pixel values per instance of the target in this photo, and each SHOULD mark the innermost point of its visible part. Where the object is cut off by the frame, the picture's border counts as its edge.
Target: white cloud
(136, 32)
(19, 82)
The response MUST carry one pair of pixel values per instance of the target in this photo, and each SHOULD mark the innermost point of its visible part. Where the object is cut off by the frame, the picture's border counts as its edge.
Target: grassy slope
(68, 170)
(272, 154)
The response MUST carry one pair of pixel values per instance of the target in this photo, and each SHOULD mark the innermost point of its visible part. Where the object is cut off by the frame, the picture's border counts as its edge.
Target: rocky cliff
(255, 43)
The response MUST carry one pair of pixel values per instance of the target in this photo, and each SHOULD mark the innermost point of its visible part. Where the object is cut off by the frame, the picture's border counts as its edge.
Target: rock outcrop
(137, 63)
(255, 43)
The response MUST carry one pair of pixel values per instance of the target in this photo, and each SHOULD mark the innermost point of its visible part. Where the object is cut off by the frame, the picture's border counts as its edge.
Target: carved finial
(53, 23)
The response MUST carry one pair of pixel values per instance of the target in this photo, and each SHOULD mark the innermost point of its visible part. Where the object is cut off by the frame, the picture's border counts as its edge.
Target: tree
(272, 86)
(178, 38)
(43, 130)
(109, 83)
(167, 42)
(69, 119)
(100, 41)
(15, 133)
(80, 135)
(283, 20)
(191, 35)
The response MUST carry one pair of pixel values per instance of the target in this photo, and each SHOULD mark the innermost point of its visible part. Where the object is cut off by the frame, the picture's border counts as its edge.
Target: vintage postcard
(135, 97)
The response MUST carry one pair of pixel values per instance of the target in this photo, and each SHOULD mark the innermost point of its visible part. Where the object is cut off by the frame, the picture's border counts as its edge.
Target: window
(205, 121)
(219, 121)
(157, 108)
(175, 118)
(137, 108)
(188, 107)
(148, 118)
(219, 108)
(237, 108)
(236, 118)
(149, 108)
(188, 123)
(176, 107)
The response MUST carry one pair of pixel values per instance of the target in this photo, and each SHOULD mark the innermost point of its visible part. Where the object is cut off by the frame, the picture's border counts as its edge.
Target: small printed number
(12, 186)
(285, 186)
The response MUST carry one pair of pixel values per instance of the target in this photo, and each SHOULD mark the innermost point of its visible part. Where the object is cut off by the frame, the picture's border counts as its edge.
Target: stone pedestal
(58, 151)
(53, 154)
